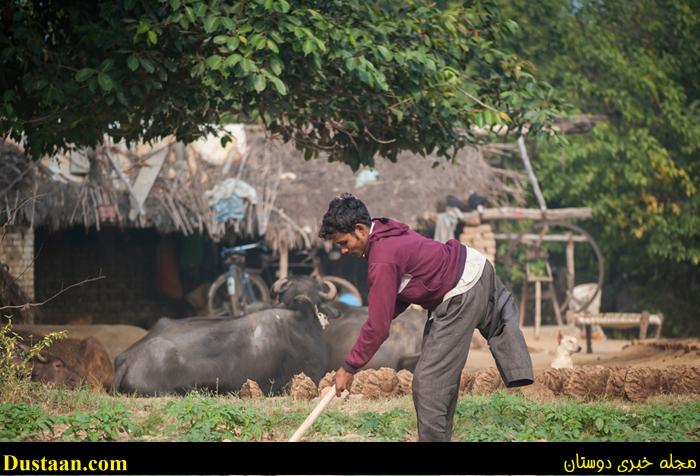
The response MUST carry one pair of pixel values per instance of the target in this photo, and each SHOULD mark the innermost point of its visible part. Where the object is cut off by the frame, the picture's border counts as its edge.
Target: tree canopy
(344, 77)
(635, 63)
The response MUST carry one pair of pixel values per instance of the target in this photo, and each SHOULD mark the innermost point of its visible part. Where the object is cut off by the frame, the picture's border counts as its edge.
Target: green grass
(504, 417)
(65, 415)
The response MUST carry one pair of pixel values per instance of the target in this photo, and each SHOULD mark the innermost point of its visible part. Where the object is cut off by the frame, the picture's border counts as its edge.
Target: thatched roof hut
(407, 190)
(88, 189)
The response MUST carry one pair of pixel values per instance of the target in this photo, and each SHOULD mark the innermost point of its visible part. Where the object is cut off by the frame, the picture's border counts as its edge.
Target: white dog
(562, 356)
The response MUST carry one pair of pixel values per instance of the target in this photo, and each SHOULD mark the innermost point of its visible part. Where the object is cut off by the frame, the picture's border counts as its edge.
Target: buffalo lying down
(269, 346)
(69, 362)
(400, 351)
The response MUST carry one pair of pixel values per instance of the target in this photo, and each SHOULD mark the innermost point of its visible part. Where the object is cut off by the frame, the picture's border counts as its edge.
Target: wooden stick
(531, 173)
(510, 213)
(327, 398)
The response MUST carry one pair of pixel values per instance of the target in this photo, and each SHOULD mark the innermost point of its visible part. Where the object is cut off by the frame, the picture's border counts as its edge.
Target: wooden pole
(538, 308)
(531, 173)
(570, 270)
(533, 237)
(515, 213)
(523, 303)
(284, 261)
(325, 400)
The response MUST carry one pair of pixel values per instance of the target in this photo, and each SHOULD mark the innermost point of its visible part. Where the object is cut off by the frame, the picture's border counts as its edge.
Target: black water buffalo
(400, 351)
(268, 346)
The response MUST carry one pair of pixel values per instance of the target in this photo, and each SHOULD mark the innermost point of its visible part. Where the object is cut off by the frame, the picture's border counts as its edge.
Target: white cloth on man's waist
(473, 267)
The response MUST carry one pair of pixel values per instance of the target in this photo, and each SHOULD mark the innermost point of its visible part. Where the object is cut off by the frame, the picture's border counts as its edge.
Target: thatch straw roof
(406, 190)
(292, 193)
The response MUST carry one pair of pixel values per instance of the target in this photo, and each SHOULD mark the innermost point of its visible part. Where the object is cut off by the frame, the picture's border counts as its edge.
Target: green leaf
(84, 74)
(232, 60)
(132, 62)
(247, 66)
(272, 46)
(385, 53)
(152, 37)
(232, 43)
(105, 82)
(200, 9)
(258, 41)
(174, 4)
(308, 46)
(259, 83)
(211, 23)
(228, 23)
(279, 85)
(398, 113)
(282, 6)
(599, 423)
(214, 61)
(276, 65)
(220, 39)
(147, 65)
(190, 14)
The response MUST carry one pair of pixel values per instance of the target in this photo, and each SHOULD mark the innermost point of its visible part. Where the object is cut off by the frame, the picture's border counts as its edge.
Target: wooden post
(531, 173)
(644, 325)
(538, 307)
(570, 270)
(523, 303)
(589, 343)
(284, 261)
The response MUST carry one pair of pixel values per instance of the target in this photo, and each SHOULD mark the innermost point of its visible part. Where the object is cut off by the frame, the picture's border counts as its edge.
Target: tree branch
(34, 304)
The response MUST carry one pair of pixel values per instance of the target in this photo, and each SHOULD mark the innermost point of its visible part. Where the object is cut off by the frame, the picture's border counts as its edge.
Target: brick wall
(127, 295)
(481, 238)
(17, 252)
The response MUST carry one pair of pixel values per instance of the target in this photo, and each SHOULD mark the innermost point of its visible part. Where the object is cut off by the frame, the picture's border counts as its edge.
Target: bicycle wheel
(260, 291)
(217, 298)
(218, 302)
(343, 285)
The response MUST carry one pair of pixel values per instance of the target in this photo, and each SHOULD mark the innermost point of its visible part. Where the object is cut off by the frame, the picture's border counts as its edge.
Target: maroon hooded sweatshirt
(394, 253)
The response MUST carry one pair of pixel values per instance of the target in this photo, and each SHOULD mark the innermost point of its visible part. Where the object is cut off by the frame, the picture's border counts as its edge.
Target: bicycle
(235, 290)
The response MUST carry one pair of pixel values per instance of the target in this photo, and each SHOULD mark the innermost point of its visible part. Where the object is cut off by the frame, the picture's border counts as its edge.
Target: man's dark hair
(344, 212)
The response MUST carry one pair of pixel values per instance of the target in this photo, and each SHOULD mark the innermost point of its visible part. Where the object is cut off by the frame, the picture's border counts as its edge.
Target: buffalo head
(290, 292)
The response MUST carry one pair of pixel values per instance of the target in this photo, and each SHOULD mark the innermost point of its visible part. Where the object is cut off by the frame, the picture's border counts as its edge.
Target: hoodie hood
(383, 228)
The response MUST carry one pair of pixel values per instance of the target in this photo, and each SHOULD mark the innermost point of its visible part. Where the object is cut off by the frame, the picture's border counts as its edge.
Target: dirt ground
(649, 352)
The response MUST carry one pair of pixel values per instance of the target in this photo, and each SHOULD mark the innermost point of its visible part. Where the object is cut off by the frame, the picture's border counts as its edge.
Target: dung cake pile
(250, 389)
(303, 388)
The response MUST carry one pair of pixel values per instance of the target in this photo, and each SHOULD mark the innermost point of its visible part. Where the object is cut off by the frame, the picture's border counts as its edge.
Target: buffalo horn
(331, 293)
(279, 285)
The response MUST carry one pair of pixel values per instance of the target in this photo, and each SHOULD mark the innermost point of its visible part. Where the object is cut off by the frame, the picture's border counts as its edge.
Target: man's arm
(382, 308)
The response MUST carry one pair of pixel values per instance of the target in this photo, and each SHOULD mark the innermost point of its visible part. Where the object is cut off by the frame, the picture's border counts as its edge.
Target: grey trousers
(489, 307)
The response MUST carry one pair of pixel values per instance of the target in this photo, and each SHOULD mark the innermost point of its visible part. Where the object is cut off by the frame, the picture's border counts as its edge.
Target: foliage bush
(23, 421)
(108, 423)
(631, 63)
(498, 417)
(505, 417)
(201, 418)
(343, 77)
(15, 357)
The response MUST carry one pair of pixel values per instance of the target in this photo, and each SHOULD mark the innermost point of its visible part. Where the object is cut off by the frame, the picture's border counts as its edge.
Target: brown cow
(69, 361)
(47, 369)
(115, 337)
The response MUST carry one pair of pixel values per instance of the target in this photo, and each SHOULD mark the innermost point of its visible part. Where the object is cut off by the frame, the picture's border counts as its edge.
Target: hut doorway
(147, 275)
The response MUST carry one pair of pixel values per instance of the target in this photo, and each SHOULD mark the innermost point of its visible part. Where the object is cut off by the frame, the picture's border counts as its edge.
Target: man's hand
(343, 381)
